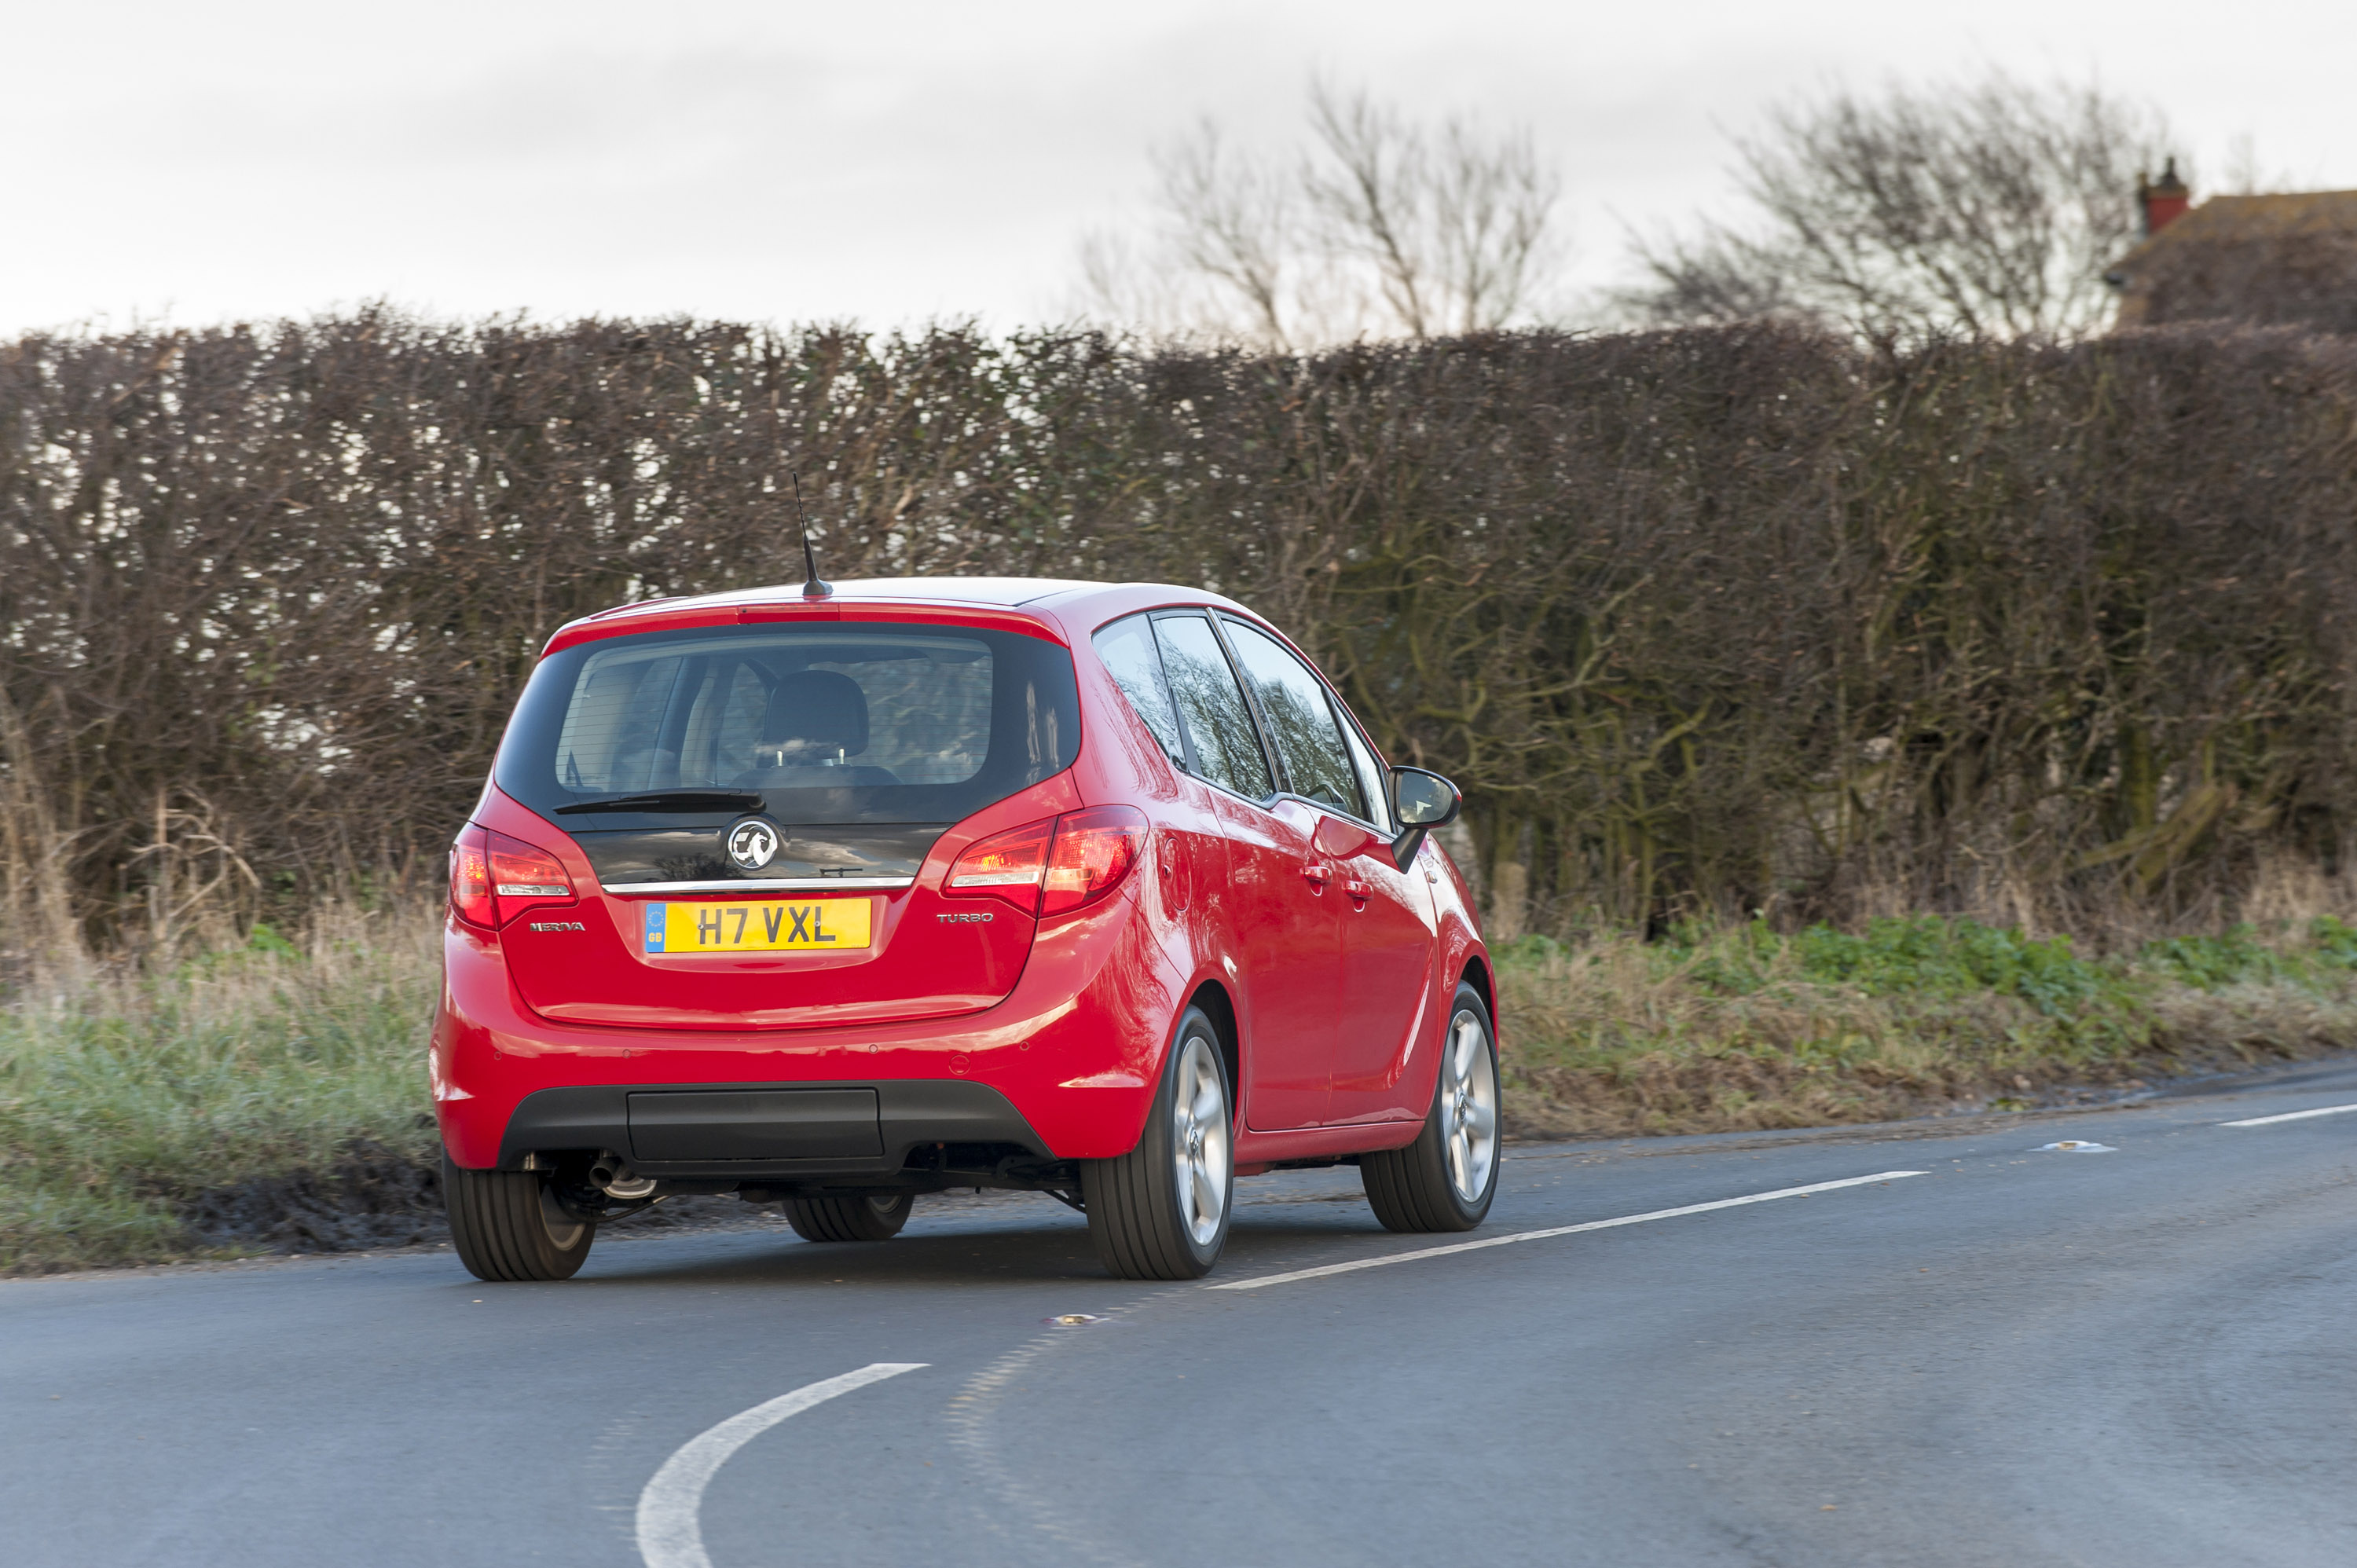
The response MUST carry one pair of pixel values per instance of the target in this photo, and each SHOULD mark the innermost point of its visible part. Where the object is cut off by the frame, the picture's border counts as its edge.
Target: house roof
(2248, 217)
(2273, 258)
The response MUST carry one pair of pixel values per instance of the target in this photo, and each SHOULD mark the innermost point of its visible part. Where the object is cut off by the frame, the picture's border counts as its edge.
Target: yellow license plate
(815, 925)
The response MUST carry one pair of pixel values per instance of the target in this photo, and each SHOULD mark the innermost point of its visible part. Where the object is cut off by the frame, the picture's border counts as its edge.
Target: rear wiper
(673, 800)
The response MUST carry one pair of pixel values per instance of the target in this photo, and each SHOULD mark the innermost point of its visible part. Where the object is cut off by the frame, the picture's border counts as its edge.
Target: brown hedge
(1708, 620)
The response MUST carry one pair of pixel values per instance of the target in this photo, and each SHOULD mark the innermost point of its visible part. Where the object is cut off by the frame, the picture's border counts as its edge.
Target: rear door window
(1211, 706)
(1127, 648)
(1301, 721)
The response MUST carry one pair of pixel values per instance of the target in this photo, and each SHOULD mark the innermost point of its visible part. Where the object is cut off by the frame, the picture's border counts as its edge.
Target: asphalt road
(2147, 1357)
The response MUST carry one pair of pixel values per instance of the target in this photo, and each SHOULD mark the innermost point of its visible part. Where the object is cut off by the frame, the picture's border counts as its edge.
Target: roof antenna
(814, 586)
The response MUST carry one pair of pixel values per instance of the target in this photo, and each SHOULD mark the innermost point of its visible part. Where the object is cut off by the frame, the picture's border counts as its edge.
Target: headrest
(816, 712)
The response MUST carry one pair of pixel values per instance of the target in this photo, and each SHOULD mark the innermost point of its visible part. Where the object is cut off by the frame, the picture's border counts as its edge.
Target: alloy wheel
(1198, 1141)
(1469, 1084)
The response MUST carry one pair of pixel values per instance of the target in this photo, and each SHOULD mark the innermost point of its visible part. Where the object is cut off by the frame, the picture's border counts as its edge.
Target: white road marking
(2291, 1116)
(1561, 1230)
(669, 1536)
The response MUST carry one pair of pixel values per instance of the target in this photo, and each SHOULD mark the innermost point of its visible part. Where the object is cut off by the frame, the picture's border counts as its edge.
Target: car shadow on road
(1017, 1248)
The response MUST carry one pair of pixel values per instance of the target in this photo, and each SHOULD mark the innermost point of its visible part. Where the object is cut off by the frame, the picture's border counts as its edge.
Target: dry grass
(273, 1095)
(152, 1116)
(1616, 1038)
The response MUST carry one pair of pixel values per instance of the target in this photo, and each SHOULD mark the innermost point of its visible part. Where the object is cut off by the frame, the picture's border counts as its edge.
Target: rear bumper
(766, 1131)
(1073, 1053)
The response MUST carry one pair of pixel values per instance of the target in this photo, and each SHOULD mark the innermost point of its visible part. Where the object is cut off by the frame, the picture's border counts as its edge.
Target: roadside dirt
(381, 1199)
(1759, 1095)
(376, 1196)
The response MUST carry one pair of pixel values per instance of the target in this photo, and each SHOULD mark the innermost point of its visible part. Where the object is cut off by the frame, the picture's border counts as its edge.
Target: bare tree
(1234, 217)
(1385, 227)
(1453, 228)
(1991, 210)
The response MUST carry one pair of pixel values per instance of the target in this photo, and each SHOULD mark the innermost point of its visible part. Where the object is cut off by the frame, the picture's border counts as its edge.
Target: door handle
(1359, 891)
(1315, 875)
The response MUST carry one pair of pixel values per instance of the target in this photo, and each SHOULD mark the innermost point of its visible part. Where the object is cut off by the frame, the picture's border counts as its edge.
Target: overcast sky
(892, 163)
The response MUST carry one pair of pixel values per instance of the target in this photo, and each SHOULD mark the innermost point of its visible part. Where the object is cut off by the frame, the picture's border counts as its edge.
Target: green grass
(124, 1100)
(1923, 956)
(1723, 1030)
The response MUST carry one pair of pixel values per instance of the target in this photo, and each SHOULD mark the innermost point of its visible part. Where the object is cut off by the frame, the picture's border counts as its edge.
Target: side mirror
(1422, 801)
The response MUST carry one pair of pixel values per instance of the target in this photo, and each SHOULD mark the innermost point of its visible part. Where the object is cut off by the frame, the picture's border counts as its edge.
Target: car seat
(815, 723)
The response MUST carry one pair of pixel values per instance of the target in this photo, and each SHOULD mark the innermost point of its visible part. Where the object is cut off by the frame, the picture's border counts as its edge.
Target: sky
(893, 162)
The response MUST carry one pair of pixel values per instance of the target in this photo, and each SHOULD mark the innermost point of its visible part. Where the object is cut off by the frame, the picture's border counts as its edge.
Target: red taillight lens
(493, 876)
(1007, 866)
(520, 871)
(470, 876)
(1093, 851)
(1052, 867)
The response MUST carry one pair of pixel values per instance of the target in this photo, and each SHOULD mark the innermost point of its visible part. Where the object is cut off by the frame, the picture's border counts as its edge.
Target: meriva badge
(753, 843)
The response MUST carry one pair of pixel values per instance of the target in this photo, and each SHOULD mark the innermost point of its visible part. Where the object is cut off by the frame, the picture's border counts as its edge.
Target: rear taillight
(1093, 851)
(522, 872)
(1007, 866)
(1052, 867)
(493, 876)
(470, 877)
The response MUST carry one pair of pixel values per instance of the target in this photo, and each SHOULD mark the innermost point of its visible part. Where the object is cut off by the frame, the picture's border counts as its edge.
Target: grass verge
(1731, 1030)
(273, 1098)
(268, 1096)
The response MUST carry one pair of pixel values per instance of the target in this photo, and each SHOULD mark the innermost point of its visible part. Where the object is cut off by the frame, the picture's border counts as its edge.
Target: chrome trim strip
(762, 885)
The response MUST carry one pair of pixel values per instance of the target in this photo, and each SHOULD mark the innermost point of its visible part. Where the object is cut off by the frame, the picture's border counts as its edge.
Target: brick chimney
(2164, 200)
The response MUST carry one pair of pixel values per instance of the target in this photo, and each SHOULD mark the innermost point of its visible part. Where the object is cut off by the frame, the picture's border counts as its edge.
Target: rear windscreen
(869, 722)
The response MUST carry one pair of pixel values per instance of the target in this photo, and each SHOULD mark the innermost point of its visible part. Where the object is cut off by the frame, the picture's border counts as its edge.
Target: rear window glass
(876, 722)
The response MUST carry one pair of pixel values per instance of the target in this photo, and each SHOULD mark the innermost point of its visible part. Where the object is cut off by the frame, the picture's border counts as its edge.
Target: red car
(835, 897)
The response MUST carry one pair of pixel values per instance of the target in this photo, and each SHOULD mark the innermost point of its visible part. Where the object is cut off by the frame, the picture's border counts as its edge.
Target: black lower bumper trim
(755, 1125)
(751, 1131)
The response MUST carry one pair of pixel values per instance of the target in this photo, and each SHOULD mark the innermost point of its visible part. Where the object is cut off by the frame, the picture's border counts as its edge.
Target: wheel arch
(1213, 999)
(1476, 974)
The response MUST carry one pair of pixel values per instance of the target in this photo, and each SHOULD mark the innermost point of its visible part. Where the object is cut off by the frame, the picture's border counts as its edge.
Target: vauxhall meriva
(833, 897)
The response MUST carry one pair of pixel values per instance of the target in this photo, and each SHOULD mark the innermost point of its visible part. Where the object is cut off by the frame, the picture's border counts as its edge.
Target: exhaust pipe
(612, 1176)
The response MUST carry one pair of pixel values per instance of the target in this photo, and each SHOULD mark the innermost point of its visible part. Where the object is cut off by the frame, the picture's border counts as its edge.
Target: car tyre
(508, 1226)
(1445, 1180)
(849, 1219)
(1161, 1211)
